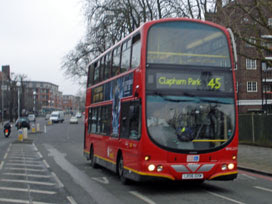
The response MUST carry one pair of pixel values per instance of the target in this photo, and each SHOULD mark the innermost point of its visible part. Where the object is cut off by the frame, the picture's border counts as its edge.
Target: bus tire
(120, 171)
(92, 158)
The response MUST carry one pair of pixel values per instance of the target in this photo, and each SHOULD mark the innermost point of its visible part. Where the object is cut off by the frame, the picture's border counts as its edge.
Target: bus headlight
(151, 167)
(230, 166)
(159, 168)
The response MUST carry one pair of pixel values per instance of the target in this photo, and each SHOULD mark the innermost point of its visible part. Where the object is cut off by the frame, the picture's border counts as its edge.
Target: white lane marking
(40, 155)
(24, 161)
(27, 190)
(226, 198)
(6, 155)
(9, 147)
(21, 164)
(24, 158)
(57, 180)
(27, 181)
(26, 169)
(250, 177)
(264, 189)
(142, 197)
(20, 201)
(35, 148)
(71, 199)
(103, 180)
(28, 175)
(46, 164)
(1, 165)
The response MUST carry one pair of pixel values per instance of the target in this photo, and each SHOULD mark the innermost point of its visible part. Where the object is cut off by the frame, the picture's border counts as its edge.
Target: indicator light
(234, 157)
(159, 168)
(147, 158)
(224, 167)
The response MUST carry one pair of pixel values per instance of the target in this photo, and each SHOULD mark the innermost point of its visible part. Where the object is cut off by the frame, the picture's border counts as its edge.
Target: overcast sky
(36, 34)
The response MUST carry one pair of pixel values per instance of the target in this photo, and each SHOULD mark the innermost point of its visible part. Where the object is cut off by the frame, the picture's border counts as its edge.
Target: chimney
(6, 71)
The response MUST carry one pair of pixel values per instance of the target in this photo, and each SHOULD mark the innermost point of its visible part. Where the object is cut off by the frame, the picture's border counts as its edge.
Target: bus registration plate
(192, 176)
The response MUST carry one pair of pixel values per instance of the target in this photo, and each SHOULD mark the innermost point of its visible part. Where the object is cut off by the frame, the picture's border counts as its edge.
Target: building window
(251, 64)
(269, 22)
(251, 42)
(251, 86)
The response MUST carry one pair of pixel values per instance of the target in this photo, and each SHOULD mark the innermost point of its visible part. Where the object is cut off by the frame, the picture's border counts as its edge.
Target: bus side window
(107, 66)
(96, 72)
(109, 119)
(116, 61)
(131, 120)
(106, 119)
(98, 128)
(89, 120)
(91, 75)
(94, 120)
(136, 51)
(125, 59)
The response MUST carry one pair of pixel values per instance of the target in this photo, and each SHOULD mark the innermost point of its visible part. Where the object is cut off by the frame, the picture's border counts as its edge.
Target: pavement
(255, 159)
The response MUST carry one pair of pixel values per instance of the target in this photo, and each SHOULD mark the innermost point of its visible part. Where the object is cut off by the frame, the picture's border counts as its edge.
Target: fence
(255, 129)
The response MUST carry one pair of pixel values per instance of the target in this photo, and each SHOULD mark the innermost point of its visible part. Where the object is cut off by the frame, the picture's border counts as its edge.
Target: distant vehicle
(57, 116)
(7, 129)
(73, 120)
(78, 115)
(22, 122)
(31, 117)
(47, 116)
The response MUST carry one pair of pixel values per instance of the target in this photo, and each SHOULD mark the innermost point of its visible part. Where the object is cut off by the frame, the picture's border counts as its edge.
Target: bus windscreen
(187, 43)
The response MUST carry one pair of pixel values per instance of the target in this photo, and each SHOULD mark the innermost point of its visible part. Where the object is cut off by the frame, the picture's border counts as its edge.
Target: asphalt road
(53, 170)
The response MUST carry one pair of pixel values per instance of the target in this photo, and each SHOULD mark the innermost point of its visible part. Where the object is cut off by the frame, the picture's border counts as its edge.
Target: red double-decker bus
(161, 103)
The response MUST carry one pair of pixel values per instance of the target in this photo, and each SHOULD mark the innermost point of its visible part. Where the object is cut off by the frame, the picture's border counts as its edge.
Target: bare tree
(110, 20)
(249, 20)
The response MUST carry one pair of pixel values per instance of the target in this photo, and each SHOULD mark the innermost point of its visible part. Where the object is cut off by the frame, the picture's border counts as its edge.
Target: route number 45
(215, 83)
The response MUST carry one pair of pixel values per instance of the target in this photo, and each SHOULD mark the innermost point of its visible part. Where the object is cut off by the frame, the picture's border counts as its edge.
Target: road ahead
(52, 169)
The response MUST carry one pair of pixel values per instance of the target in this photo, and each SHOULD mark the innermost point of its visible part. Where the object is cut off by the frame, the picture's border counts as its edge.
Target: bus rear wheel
(120, 171)
(92, 158)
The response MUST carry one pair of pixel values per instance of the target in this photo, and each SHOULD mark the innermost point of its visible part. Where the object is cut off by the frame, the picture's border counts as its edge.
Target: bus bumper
(170, 173)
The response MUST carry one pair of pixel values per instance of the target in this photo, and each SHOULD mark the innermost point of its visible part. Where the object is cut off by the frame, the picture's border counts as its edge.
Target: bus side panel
(131, 153)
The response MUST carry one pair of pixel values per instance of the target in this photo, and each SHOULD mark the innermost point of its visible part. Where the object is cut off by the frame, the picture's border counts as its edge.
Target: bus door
(130, 131)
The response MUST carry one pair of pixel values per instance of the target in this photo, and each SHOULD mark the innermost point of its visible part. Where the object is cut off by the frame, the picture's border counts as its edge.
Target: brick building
(254, 42)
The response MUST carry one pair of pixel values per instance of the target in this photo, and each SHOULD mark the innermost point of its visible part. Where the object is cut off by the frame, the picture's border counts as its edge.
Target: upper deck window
(187, 43)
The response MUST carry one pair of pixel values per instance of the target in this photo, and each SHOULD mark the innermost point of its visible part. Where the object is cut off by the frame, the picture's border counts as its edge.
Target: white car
(31, 117)
(78, 115)
(73, 120)
(57, 116)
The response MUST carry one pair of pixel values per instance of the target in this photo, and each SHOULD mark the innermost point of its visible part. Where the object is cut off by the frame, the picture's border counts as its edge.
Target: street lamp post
(34, 108)
(18, 86)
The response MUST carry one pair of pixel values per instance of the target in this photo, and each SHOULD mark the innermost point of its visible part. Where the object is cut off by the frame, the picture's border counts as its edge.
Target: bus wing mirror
(137, 90)
(233, 46)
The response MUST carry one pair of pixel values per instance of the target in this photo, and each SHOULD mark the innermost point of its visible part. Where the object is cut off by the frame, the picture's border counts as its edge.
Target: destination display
(205, 80)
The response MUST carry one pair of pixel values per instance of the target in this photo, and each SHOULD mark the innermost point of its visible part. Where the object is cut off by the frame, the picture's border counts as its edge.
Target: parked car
(73, 120)
(31, 117)
(57, 116)
(47, 116)
(78, 115)
(22, 122)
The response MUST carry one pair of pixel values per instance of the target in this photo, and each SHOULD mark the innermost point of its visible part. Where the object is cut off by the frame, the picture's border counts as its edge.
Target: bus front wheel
(120, 171)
